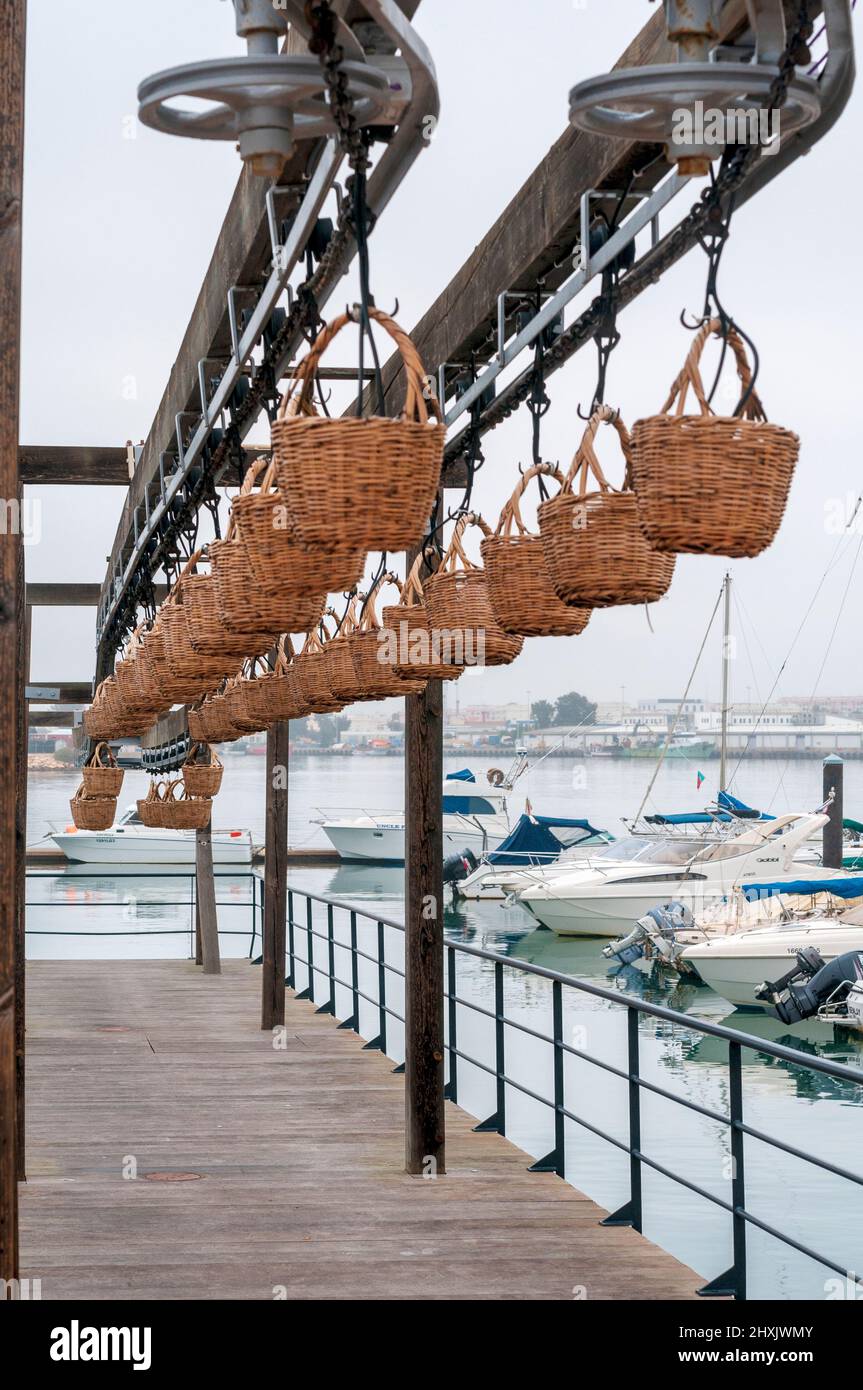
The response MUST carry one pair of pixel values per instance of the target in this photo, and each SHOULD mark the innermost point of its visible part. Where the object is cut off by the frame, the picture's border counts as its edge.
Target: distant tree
(574, 709)
(542, 713)
(396, 721)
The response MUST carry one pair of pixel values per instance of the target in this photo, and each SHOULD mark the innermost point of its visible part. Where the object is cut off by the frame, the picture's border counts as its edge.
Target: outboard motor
(653, 935)
(812, 984)
(459, 866)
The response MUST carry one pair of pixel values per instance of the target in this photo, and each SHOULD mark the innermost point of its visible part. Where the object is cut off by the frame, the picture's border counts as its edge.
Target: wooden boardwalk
(299, 1154)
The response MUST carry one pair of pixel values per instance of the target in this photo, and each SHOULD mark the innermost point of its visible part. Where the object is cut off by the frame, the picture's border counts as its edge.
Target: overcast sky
(120, 222)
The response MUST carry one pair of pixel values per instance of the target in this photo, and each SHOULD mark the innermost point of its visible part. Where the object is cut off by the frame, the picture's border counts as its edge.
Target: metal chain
(322, 42)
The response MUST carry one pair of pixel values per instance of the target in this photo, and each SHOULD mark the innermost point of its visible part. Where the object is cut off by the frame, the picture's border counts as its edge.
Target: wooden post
(205, 885)
(275, 878)
(831, 842)
(12, 48)
(424, 1013)
(24, 616)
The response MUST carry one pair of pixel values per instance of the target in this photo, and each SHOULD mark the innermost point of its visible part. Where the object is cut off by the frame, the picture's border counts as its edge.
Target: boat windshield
(130, 817)
(634, 848)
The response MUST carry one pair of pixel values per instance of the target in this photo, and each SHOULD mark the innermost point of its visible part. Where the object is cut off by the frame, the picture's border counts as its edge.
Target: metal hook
(692, 327)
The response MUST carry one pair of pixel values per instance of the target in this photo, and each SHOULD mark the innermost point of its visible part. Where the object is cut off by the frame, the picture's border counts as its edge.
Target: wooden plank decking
(300, 1156)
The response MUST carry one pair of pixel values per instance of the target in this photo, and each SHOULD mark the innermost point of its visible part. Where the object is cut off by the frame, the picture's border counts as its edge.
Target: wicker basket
(213, 720)
(101, 775)
(280, 695)
(341, 675)
(461, 616)
(595, 550)
(407, 622)
(179, 811)
(712, 484)
(519, 584)
(280, 562)
(369, 481)
(92, 812)
(149, 807)
(313, 675)
(202, 778)
(375, 656)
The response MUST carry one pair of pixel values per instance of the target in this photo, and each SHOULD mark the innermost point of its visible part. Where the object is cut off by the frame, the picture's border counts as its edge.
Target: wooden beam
(205, 897)
(275, 878)
(50, 719)
(80, 464)
(13, 18)
(425, 1146)
(59, 692)
(73, 595)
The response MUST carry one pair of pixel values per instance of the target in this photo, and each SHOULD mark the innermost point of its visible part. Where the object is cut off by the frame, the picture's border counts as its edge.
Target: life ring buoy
(496, 776)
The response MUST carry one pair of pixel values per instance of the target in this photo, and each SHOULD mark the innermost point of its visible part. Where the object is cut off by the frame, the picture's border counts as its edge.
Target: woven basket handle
(413, 589)
(690, 375)
(284, 655)
(370, 622)
(455, 550)
(99, 751)
(416, 406)
(586, 465)
(510, 517)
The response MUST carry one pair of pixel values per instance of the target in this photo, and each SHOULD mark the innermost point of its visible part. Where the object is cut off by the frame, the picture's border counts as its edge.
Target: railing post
(379, 1044)
(555, 1162)
(354, 1020)
(330, 1006)
(309, 991)
(451, 1088)
(630, 1213)
(732, 1284)
(291, 981)
(275, 877)
(496, 1123)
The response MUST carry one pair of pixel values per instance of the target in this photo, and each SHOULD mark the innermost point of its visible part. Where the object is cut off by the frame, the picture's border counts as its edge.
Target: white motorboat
(130, 842)
(474, 819)
(736, 965)
(605, 895)
(535, 841)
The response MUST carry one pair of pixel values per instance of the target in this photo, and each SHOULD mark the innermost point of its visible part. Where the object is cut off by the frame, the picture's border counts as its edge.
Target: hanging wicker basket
(179, 811)
(407, 623)
(461, 617)
(375, 655)
(341, 674)
(202, 771)
(212, 721)
(149, 806)
(282, 564)
(92, 812)
(369, 481)
(313, 673)
(595, 550)
(101, 775)
(712, 484)
(519, 584)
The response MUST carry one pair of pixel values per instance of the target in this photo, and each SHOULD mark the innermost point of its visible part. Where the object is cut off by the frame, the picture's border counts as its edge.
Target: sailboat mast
(726, 659)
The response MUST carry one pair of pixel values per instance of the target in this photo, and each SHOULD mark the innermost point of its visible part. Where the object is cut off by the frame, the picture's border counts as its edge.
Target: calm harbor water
(122, 913)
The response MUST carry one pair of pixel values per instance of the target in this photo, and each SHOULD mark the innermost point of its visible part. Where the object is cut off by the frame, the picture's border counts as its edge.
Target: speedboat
(131, 842)
(535, 841)
(737, 963)
(474, 819)
(612, 889)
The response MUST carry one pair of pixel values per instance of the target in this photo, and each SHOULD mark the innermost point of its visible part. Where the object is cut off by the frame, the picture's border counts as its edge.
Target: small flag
(698, 780)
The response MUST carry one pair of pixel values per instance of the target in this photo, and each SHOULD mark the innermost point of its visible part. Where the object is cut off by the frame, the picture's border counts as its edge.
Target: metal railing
(255, 903)
(733, 1281)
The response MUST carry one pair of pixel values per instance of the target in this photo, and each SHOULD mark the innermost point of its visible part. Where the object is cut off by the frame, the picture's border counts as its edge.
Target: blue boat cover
(465, 775)
(841, 887)
(730, 809)
(540, 839)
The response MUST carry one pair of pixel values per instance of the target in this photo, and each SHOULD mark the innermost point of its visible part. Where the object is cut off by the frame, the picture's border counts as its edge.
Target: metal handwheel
(265, 101)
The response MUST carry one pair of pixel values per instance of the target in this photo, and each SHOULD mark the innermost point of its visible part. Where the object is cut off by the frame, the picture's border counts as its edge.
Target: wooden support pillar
(12, 47)
(831, 835)
(424, 1012)
(24, 615)
(207, 923)
(275, 877)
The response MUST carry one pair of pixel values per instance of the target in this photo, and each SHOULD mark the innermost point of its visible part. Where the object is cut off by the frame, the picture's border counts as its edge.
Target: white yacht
(130, 842)
(608, 893)
(474, 818)
(535, 841)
